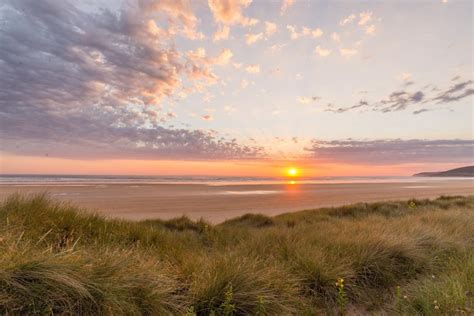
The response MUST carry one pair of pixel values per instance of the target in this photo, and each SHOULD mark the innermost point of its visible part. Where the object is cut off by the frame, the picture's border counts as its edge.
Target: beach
(217, 202)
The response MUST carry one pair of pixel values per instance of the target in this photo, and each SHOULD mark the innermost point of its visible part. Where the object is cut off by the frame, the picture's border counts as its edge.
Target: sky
(235, 87)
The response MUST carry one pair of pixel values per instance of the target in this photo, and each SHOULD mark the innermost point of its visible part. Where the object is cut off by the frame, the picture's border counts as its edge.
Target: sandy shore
(217, 203)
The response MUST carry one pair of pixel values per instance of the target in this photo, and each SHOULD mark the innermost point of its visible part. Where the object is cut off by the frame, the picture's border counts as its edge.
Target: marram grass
(392, 258)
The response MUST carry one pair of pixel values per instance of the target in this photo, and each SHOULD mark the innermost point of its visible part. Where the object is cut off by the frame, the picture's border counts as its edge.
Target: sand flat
(217, 203)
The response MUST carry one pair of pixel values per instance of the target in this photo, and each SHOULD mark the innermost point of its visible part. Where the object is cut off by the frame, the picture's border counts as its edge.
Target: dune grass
(396, 258)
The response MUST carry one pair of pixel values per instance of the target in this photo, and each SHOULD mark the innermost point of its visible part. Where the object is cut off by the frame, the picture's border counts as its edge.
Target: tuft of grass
(400, 257)
(70, 282)
(450, 292)
(248, 285)
(251, 221)
(180, 224)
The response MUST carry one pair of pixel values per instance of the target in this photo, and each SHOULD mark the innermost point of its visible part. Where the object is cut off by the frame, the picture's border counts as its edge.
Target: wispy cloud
(402, 99)
(456, 92)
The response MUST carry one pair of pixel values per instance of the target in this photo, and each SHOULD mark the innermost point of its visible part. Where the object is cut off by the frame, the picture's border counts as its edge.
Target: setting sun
(292, 172)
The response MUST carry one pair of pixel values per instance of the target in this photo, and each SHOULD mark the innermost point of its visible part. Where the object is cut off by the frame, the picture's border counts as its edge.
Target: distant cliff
(458, 172)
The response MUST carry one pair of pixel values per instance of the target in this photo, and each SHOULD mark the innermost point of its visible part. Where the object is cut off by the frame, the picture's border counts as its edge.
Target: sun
(292, 172)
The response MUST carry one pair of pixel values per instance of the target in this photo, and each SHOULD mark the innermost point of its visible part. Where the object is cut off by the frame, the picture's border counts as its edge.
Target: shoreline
(217, 203)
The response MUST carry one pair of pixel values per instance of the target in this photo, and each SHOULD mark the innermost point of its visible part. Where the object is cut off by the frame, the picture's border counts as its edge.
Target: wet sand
(217, 203)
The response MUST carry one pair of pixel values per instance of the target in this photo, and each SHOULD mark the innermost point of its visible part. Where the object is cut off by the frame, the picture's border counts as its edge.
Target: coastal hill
(458, 172)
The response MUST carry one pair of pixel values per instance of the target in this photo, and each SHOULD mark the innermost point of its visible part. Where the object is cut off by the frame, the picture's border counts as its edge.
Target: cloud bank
(90, 84)
(391, 151)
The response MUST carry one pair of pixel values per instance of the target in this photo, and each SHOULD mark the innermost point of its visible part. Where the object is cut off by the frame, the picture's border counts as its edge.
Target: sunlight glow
(292, 172)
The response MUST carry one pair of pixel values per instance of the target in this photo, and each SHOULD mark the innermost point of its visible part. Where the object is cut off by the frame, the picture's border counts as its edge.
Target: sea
(37, 179)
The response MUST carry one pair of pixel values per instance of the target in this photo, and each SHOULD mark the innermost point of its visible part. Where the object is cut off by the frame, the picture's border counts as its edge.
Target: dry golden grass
(408, 257)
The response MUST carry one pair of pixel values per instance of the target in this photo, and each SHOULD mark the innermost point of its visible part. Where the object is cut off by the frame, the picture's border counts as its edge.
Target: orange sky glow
(10, 164)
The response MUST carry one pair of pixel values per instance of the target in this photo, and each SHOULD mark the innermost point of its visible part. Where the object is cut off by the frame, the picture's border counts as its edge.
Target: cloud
(404, 76)
(221, 34)
(224, 57)
(317, 32)
(253, 38)
(253, 69)
(402, 99)
(244, 83)
(335, 37)
(229, 109)
(101, 94)
(199, 65)
(322, 52)
(347, 20)
(285, 5)
(361, 103)
(305, 31)
(276, 48)
(420, 111)
(365, 17)
(293, 33)
(392, 151)
(370, 30)
(208, 97)
(230, 12)
(399, 100)
(270, 28)
(179, 13)
(304, 100)
(347, 52)
(455, 92)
